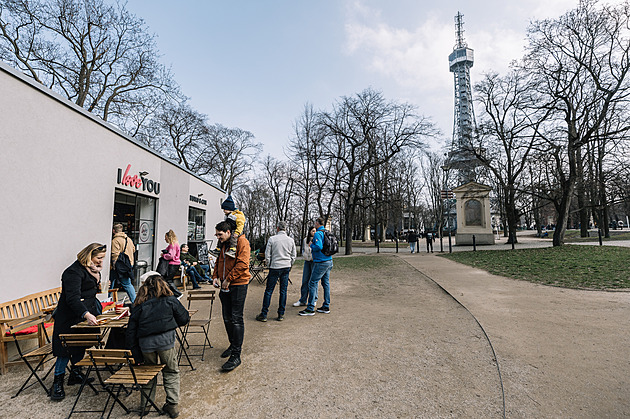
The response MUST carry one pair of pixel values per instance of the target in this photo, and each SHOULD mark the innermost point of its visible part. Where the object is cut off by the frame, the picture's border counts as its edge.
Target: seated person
(192, 267)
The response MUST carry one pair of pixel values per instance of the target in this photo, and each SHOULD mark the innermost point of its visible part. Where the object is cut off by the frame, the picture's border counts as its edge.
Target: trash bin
(141, 269)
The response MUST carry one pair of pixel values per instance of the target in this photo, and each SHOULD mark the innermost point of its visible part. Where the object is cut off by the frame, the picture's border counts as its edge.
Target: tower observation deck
(460, 61)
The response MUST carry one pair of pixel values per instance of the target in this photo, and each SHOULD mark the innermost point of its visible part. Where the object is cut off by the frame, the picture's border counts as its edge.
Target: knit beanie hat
(228, 204)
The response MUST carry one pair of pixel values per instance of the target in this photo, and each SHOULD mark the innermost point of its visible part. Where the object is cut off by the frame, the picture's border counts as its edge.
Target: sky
(255, 64)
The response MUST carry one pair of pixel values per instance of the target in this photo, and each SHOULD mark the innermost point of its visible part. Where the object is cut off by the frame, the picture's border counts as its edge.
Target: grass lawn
(582, 267)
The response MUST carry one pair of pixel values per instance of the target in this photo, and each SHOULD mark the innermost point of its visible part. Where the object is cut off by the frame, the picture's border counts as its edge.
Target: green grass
(580, 267)
(359, 263)
(572, 236)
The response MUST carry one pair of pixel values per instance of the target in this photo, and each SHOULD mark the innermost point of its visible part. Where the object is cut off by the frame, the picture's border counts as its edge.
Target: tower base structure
(473, 214)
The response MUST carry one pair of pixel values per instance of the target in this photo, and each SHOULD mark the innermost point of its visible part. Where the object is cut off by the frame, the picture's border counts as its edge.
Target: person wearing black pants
(232, 276)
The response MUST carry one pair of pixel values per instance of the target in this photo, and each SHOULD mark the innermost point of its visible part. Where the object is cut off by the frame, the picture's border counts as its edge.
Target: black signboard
(202, 252)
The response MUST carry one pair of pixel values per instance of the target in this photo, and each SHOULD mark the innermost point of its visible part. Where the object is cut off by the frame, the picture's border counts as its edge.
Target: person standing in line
(322, 266)
(429, 237)
(122, 243)
(232, 275)
(153, 321)
(308, 267)
(280, 254)
(171, 253)
(412, 238)
(80, 283)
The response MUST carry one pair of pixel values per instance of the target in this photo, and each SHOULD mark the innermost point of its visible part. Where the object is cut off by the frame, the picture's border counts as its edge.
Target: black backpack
(123, 264)
(330, 245)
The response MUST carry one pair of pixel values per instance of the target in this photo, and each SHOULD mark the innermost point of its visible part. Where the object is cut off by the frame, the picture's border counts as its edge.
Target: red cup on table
(119, 308)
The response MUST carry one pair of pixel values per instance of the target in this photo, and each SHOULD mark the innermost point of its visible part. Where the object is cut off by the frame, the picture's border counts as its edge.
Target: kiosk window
(196, 224)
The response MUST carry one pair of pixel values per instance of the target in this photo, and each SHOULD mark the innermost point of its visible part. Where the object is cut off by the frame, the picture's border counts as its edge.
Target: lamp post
(447, 196)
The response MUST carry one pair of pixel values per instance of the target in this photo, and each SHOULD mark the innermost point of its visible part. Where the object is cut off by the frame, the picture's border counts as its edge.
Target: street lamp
(446, 195)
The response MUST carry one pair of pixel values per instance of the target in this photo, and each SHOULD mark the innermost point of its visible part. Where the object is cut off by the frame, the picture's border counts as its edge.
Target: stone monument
(473, 214)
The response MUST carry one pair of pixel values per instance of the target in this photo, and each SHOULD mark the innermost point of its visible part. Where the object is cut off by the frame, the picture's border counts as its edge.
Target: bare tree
(96, 54)
(581, 61)
(508, 131)
(363, 132)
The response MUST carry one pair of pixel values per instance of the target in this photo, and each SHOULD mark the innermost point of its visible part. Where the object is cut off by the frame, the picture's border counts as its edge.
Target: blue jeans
(321, 272)
(206, 269)
(272, 278)
(306, 277)
(412, 246)
(191, 271)
(125, 283)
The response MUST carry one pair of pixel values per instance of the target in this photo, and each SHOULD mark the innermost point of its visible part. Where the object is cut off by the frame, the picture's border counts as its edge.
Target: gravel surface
(397, 345)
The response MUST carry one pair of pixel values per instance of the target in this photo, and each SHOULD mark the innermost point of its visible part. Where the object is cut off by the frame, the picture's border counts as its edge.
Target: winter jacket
(172, 254)
(238, 218)
(280, 251)
(78, 295)
(189, 260)
(155, 316)
(306, 250)
(236, 269)
(318, 245)
(118, 244)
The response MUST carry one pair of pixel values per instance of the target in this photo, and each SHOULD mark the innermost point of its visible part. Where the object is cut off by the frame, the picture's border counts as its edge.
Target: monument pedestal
(473, 214)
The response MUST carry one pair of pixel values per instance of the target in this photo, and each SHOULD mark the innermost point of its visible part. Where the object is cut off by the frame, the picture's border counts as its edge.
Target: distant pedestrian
(322, 266)
(122, 244)
(429, 237)
(412, 239)
(307, 254)
(280, 254)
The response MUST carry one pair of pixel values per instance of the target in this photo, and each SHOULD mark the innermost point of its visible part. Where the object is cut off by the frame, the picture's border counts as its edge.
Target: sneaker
(261, 318)
(323, 310)
(231, 253)
(172, 410)
(280, 318)
(197, 287)
(299, 304)
(306, 312)
(233, 362)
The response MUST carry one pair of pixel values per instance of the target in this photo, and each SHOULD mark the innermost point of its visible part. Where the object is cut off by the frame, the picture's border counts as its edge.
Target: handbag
(123, 264)
(162, 267)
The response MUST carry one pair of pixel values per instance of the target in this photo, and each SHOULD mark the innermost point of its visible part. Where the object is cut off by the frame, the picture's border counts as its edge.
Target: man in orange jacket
(232, 276)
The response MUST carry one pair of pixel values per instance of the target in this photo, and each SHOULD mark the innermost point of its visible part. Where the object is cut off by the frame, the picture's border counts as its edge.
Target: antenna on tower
(459, 31)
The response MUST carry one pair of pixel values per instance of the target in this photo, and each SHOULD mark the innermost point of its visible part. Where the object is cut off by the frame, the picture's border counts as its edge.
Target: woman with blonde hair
(171, 253)
(80, 283)
(155, 316)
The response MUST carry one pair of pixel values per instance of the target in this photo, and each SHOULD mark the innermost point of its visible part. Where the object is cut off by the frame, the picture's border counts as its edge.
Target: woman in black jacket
(154, 318)
(80, 283)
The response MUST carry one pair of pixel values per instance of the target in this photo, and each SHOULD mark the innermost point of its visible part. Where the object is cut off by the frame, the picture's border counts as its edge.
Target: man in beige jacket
(118, 245)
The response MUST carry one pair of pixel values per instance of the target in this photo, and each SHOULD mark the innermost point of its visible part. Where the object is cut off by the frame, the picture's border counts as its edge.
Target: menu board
(202, 253)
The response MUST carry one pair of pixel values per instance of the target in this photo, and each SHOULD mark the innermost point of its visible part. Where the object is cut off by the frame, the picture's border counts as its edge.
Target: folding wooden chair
(203, 324)
(43, 353)
(85, 340)
(134, 376)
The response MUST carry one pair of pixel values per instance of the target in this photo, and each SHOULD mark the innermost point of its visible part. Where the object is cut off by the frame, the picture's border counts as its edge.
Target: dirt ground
(396, 345)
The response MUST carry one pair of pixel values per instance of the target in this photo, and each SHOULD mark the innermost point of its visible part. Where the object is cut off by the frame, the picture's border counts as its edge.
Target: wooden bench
(20, 308)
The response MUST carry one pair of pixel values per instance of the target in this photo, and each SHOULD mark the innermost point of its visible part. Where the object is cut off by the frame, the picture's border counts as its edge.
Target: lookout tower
(460, 61)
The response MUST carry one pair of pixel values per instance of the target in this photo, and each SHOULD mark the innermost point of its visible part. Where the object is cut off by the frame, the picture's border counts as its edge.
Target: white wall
(58, 173)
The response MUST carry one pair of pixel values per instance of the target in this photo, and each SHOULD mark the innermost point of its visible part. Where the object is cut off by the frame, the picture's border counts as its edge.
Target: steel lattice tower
(460, 61)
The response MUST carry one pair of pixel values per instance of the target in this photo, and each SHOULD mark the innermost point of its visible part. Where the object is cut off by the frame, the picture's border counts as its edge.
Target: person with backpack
(122, 267)
(324, 245)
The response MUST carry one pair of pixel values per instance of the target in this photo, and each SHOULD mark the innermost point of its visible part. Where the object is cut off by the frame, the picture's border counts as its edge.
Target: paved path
(562, 353)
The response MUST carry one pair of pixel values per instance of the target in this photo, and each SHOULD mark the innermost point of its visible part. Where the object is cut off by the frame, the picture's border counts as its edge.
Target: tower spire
(460, 61)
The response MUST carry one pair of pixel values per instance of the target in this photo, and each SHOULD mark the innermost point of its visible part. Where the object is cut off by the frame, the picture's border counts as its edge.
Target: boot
(76, 376)
(233, 362)
(171, 409)
(56, 392)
